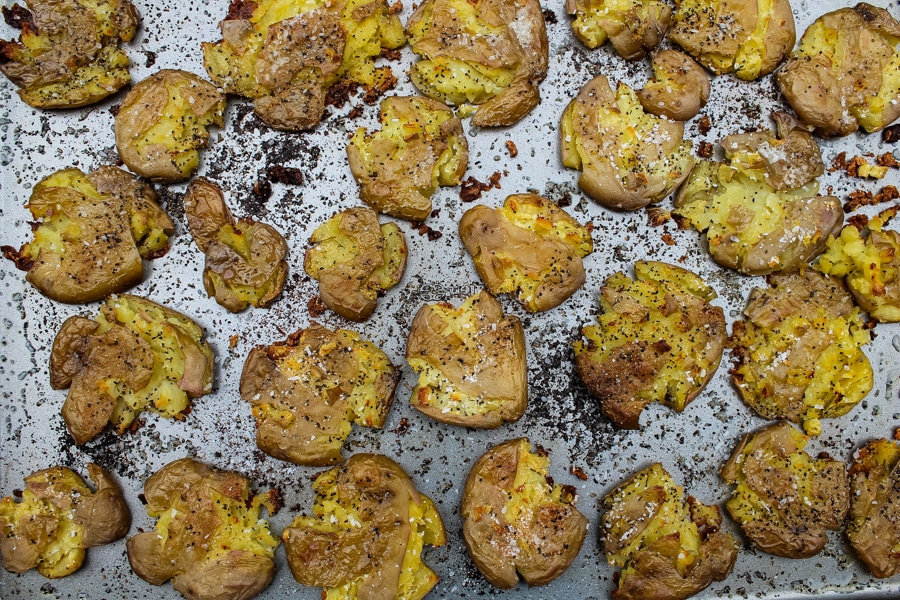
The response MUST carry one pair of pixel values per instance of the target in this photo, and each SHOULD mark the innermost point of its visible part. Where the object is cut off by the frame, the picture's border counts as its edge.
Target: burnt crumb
(17, 493)
(240, 9)
(550, 481)
(435, 213)
(138, 423)
(338, 94)
(423, 229)
(142, 498)
(550, 17)
(19, 17)
(355, 112)
(541, 451)
(703, 125)
(511, 148)
(316, 307)
(891, 134)
(276, 498)
(262, 190)
(22, 262)
(668, 240)
(471, 189)
(657, 216)
(858, 221)
(704, 149)
(395, 8)
(578, 472)
(151, 58)
(839, 163)
(887, 160)
(374, 93)
(860, 198)
(282, 174)
(114, 109)
(682, 222)
(390, 53)
(402, 427)
(233, 341)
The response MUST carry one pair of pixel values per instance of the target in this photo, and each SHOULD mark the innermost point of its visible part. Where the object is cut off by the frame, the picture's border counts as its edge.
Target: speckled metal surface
(561, 416)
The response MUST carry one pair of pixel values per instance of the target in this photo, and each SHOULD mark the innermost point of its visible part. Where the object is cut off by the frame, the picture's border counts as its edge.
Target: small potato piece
(516, 522)
(679, 88)
(658, 340)
(163, 121)
(529, 246)
(845, 73)
(93, 231)
(471, 363)
(420, 146)
(627, 158)
(797, 354)
(670, 549)
(635, 27)
(784, 500)
(210, 539)
(58, 518)
(366, 534)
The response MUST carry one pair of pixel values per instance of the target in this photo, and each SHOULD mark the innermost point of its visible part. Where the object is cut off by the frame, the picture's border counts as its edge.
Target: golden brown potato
(420, 146)
(491, 54)
(529, 246)
(669, 549)
(134, 355)
(679, 88)
(93, 230)
(366, 534)
(355, 260)
(210, 539)
(68, 53)
(658, 340)
(784, 500)
(58, 518)
(471, 363)
(635, 27)
(162, 123)
(627, 158)
(516, 521)
(845, 73)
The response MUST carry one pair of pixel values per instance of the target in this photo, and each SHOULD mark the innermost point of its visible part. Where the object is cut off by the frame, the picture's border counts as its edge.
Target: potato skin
(679, 88)
(872, 526)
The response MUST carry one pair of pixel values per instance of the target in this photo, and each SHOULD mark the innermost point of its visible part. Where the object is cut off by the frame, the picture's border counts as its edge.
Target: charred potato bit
(679, 88)
(798, 351)
(58, 518)
(210, 539)
(134, 355)
(471, 363)
(516, 522)
(529, 246)
(68, 54)
(492, 54)
(366, 533)
(163, 121)
(669, 549)
(308, 390)
(658, 340)
(784, 500)
(845, 73)
(627, 158)
(634, 27)
(246, 261)
(420, 146)
(92, 232)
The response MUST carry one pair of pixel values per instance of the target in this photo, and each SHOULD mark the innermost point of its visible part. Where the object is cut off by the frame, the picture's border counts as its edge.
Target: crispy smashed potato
(658, 340)
(669, 549)
(634, 27)
(516, 521)
(492, 54)
(134, 355)
(92, 232)
(58, 518)
(366, 534)
(210, 539)
(420, 146)
(529, 246)
(679, 88)
(784, 500)
(627, 158)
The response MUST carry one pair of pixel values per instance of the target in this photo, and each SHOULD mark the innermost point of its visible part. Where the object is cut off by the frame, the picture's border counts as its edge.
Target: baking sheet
(561, 416)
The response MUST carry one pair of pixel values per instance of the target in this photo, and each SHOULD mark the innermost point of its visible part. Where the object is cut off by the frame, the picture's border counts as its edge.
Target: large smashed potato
(679, 88)
(658, 340)
(634, 27)
(471, 363)
(529, 246)
(58, 518)
(366, 534)
(516, 521)
(669, 549)
(92, 232)
(134, 355)
(210, 539)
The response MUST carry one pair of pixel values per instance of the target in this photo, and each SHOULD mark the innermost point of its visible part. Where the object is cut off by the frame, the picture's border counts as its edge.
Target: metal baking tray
(561, 416)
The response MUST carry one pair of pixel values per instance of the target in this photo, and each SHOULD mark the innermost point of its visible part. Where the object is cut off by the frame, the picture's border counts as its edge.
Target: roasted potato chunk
(58, 518)
(134, 355)
(679, 88)
(658, 340)
(627, 158)
(210, 539)
(92, 232)
(784, 500)
(634, 27)
(845, 74)
(471, 363)
(529, 246)
(366, 534)
(669, 549)
(491, 54)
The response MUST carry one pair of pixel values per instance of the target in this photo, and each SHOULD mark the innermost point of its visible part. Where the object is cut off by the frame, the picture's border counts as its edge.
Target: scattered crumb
(858, 198)
(340, 92)
(887, 160)
(511, 148)
(471, 189)
(374, 93)
(703, 125)
(233, 341)
(114, 109)
(355, 112)
(668, 239)
(657, 216)
(860, 167)
(316, 307)
(550, 17)
(390, 53)
(858, 221)
(282, 174)
(704, 150)
(891, 134)
(578, 472)
(262, 190)
(402, 427)
(682, 222)
(423, 229)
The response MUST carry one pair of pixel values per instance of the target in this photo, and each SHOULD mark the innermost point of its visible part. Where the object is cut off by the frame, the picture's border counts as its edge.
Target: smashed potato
(366, 534)
(668, 549)
(679, 88)
(92, 232)
(134, 355)
(529, 246)
(784, 500)
(58, 518)
(658, 340)
(635, 27)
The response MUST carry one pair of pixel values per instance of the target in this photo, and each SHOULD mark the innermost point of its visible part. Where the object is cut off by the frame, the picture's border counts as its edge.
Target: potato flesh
(872, 525)
(634, 26)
